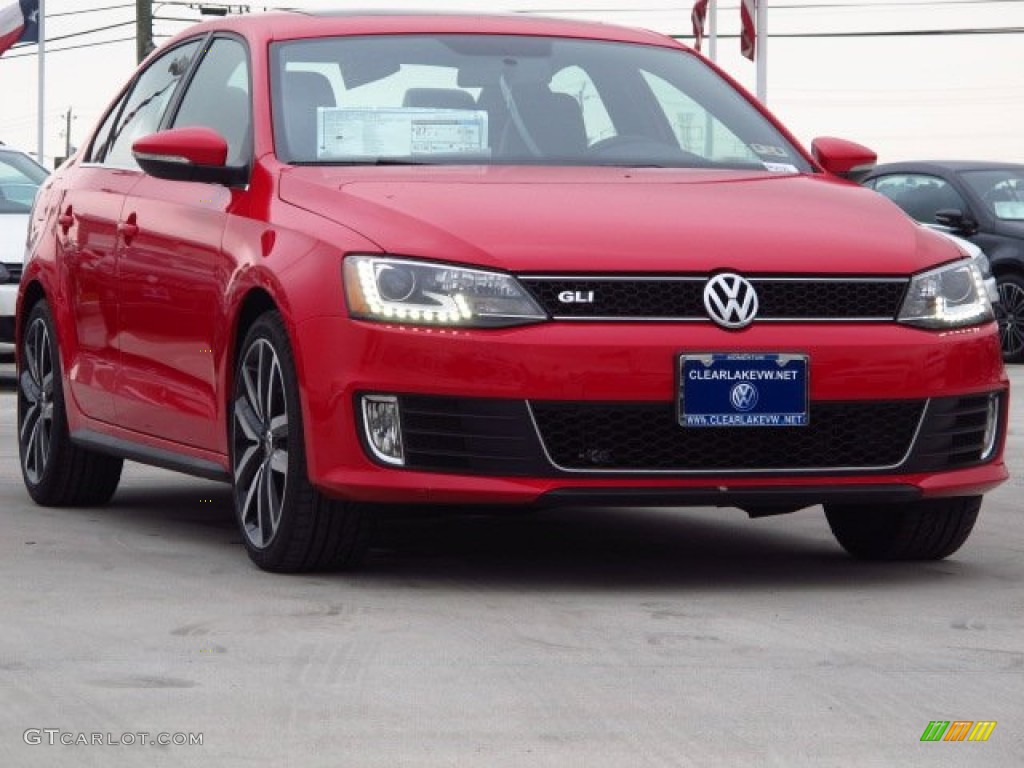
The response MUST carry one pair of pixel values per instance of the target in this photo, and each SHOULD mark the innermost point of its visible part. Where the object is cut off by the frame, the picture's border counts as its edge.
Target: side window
(575, 82)
(99, 143)
(218, 98)
(147, 102)
(920, 195)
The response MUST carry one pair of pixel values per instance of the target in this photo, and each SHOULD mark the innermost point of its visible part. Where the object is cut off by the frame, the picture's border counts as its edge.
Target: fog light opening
(991, 427)
(383, 426)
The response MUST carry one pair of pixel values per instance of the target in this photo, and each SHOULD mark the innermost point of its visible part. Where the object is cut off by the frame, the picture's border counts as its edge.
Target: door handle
(128, 229)
(66, 220)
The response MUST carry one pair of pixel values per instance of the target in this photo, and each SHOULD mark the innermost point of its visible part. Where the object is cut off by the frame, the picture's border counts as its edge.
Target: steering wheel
(629, 146)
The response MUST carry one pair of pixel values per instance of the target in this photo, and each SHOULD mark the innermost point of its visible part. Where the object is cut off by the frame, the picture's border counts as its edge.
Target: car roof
(273, 26)
(937, 166)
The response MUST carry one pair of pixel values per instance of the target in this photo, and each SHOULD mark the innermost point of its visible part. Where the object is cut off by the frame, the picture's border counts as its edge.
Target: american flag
(19, 23)
(698, 17)
(748, 33)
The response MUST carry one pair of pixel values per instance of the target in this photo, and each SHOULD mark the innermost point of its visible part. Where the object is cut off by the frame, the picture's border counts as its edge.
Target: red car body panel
(183, 267)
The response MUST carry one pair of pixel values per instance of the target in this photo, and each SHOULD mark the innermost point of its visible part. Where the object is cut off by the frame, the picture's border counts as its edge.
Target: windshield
(20, 177)
(500, 99)
(1002, 191)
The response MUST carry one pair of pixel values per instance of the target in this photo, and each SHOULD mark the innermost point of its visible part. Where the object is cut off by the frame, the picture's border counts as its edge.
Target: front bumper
(478, 450)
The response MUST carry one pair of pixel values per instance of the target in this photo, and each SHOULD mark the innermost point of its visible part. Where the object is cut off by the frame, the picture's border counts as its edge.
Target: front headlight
(423, 293)
(952, 296)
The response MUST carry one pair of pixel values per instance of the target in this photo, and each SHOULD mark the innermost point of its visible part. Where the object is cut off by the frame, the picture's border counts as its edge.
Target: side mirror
(843, 158)
(187, 154)
(956, 220)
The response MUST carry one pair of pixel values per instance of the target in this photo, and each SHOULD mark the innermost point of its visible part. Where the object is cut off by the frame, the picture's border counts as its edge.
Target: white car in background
(20, 177)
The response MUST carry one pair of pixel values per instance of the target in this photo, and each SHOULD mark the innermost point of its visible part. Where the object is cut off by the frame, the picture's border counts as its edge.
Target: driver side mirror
(844, 158)
(187, 154)
(956, 220)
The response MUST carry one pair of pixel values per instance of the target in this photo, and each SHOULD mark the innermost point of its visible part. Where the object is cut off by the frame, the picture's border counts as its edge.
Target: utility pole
(67, 133)
(143, 28)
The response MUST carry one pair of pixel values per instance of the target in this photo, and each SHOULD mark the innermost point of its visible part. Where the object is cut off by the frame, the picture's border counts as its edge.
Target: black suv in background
(980, 201)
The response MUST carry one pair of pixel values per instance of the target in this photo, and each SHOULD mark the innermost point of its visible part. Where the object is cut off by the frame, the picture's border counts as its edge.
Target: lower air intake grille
(645, 436)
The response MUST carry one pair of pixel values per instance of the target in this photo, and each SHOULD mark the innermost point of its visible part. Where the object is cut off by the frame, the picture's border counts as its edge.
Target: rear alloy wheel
(1010, 315)
(56, 472)
(921, 530)
(286, 524)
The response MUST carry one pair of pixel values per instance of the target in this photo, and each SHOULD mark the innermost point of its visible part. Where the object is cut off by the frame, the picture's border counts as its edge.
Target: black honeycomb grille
(646, 436)
(683, 298)
(954, 432)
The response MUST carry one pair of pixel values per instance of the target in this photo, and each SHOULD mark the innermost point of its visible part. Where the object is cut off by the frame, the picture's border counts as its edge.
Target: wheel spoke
(267, 506)
(248, 420)
(250, 516)
(251, 394)
(279, 462)
(279, 426)
(31, 417)
(268, 390)
(30, 387)
(246, 465)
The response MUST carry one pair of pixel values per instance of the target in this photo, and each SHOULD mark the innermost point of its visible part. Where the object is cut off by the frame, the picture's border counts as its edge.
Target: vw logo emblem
(743, 396)
(730, 300)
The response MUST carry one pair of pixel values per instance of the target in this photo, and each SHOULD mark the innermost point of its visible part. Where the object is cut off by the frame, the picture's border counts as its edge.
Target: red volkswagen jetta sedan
(348, 260)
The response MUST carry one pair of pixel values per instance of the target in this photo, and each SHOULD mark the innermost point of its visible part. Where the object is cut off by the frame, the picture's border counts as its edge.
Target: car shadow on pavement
(599, 549)
(594, 550)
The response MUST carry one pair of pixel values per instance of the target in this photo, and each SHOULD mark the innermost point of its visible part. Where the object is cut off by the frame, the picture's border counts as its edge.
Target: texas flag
(19, 23)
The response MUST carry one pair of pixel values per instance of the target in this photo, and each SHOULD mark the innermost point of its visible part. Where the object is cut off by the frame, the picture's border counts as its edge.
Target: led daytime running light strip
(454, 309)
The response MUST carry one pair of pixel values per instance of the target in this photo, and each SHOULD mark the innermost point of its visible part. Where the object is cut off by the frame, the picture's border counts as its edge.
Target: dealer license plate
(743, 390)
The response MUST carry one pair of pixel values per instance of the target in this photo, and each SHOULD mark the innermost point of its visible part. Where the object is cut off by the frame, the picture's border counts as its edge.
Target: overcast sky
(907, 97)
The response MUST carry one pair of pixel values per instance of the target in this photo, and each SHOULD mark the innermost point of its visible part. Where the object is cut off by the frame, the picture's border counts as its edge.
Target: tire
(920, 530)
(57, 473)
(1010, 314)
(287, 525)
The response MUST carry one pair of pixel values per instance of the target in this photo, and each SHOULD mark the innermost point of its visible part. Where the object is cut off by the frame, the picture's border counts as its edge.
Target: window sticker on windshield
(767, 150)
(781, 168)
(1009, 209)
(399, 132)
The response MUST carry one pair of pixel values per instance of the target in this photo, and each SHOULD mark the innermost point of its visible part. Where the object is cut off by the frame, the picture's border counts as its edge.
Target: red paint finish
(149, 278)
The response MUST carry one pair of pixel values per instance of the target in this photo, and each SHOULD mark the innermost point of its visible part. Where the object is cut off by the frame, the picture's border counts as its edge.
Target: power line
(897, 33)
(70, 47)
(89, 10)
(931, 4)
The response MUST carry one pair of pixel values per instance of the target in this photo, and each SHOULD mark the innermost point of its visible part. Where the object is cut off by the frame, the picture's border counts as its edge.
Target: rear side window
(147, 103)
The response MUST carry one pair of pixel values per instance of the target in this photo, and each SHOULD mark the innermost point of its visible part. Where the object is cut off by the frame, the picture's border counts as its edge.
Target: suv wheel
(287, 525)
(56, 471)
(922, 530)
(1010, 314)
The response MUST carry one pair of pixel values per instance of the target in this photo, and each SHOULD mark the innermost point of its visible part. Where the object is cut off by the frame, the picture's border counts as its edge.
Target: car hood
(13, 229)
(614, 219)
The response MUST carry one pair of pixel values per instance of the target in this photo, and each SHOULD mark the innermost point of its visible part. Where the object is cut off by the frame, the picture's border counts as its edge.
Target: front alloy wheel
(261, 444)
(1010, 316)
(286, 523)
